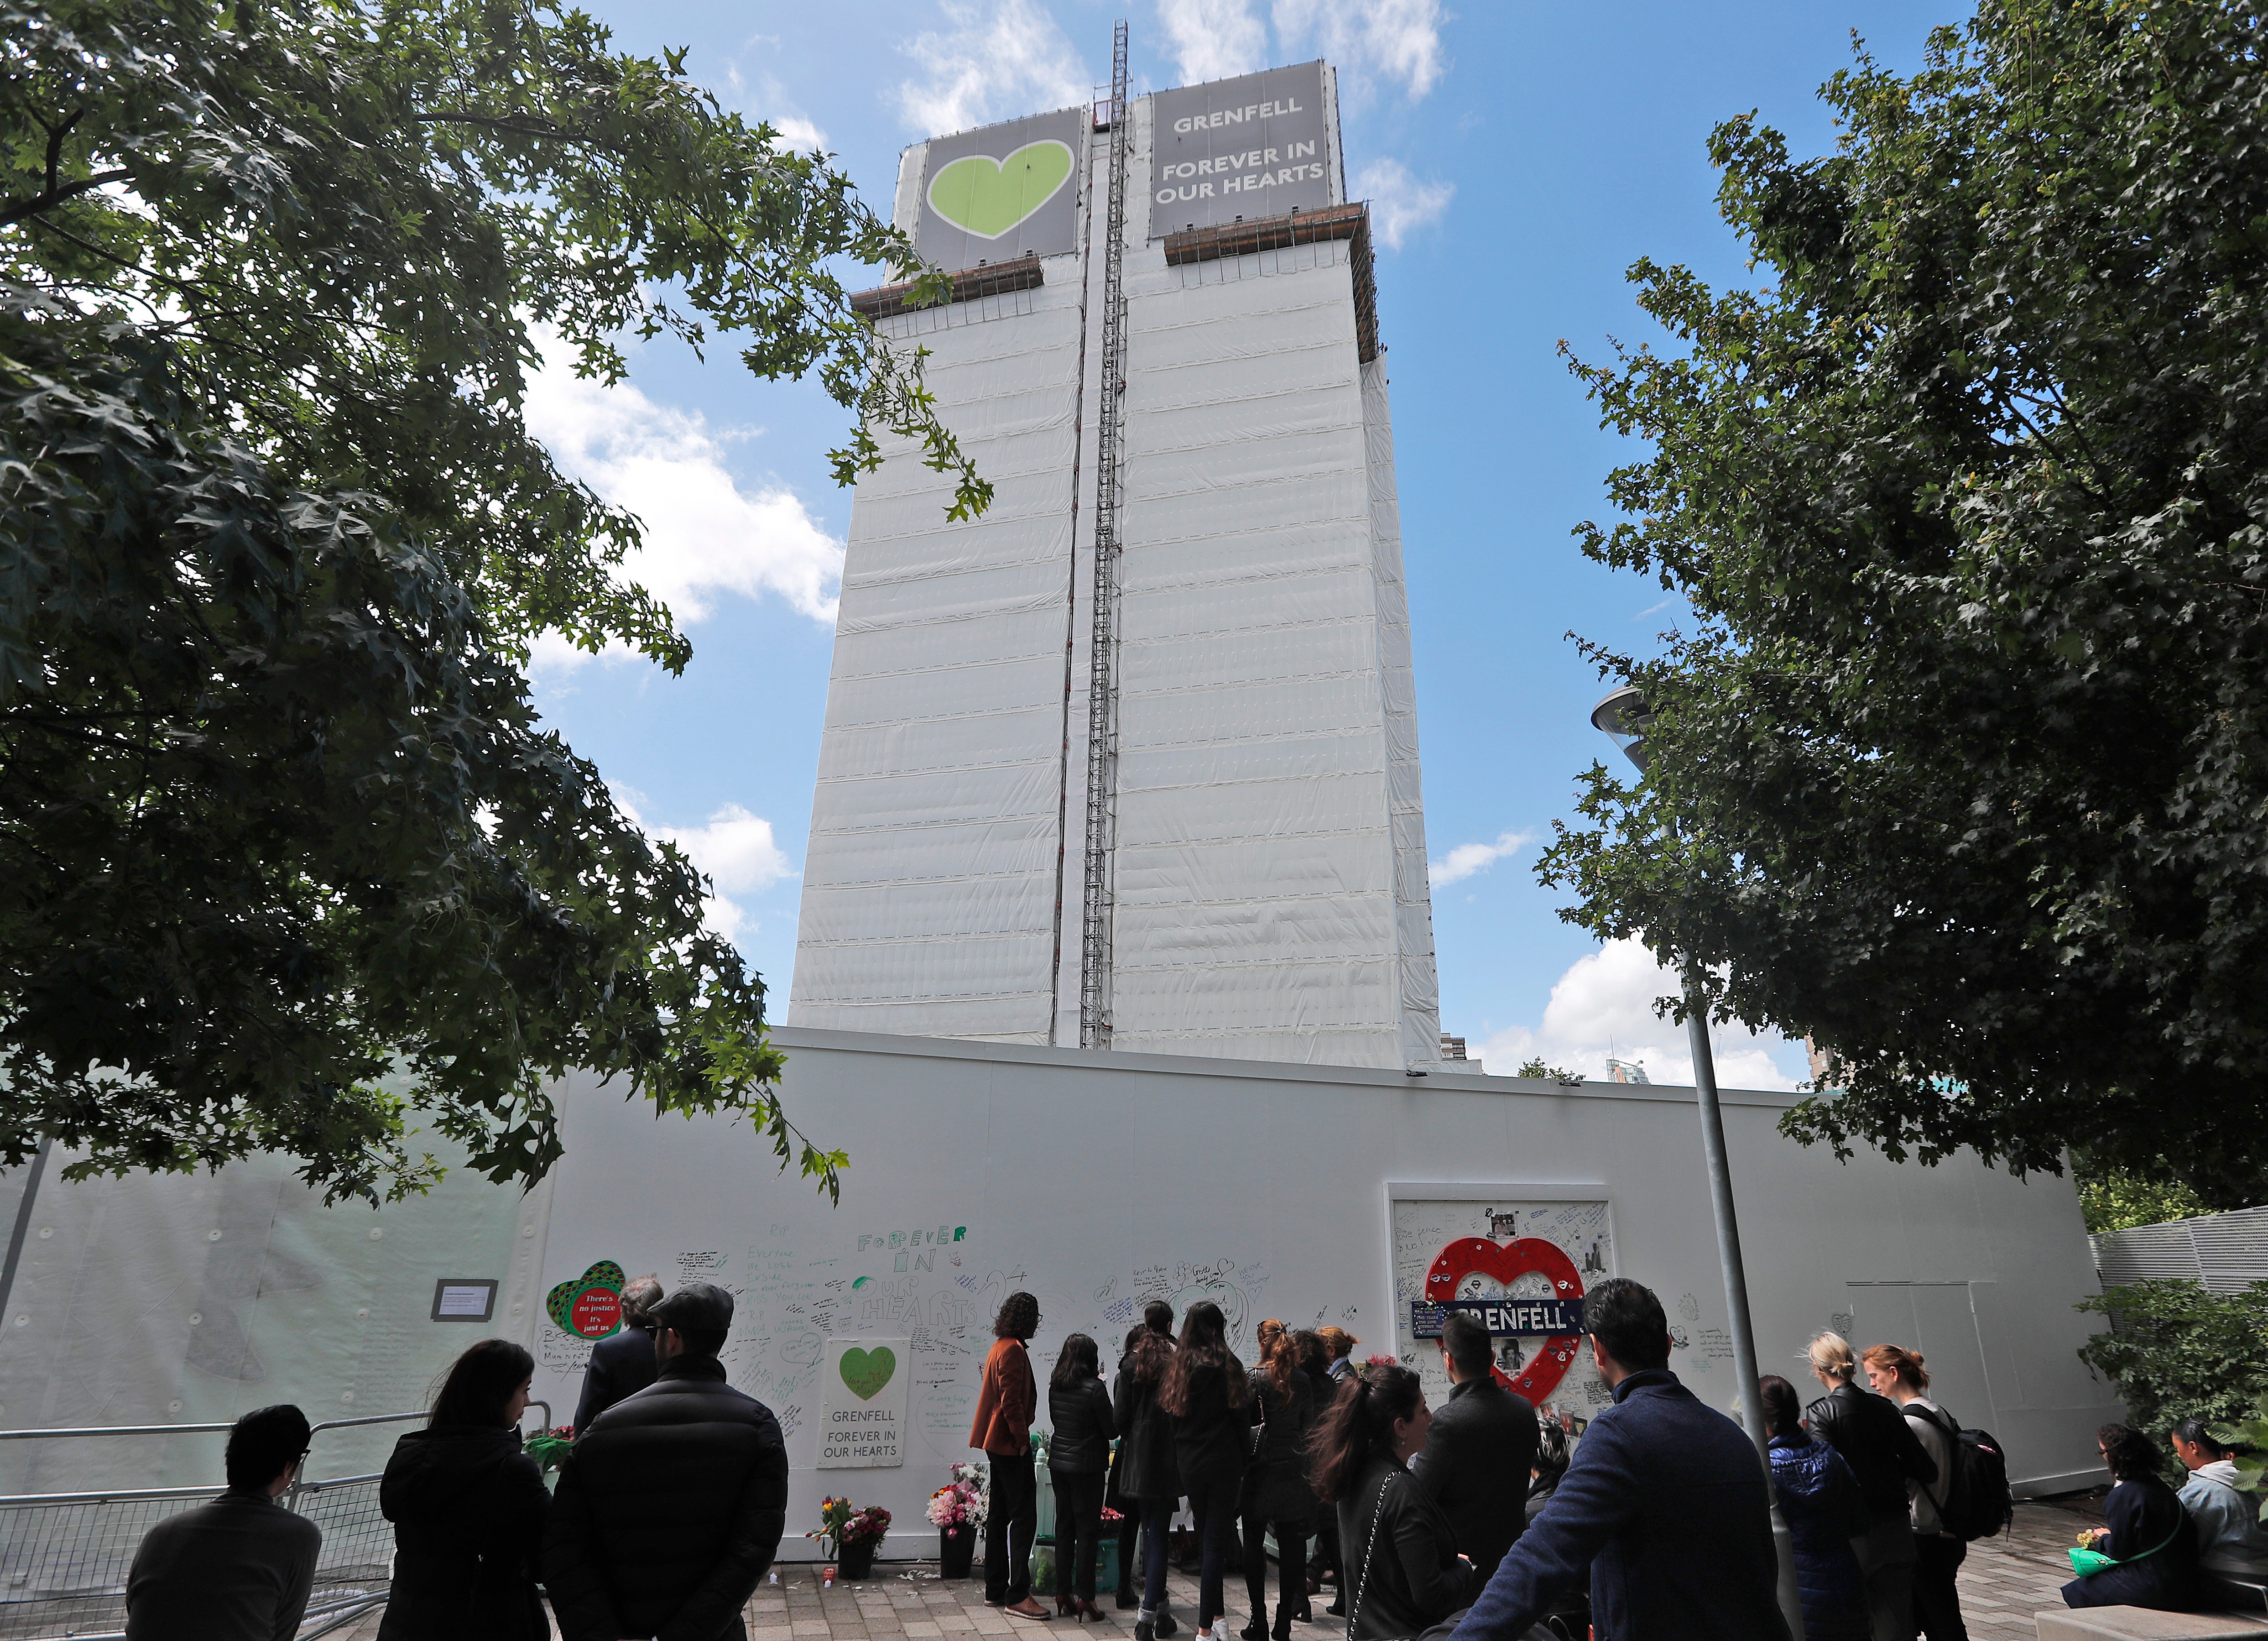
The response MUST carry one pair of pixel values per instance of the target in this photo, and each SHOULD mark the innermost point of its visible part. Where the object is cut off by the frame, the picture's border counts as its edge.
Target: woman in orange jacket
(1003, 1428)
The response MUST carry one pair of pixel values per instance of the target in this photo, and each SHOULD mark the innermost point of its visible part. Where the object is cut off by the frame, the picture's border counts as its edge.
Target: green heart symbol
(866, 1372)
(560, 1303)
(989, 197)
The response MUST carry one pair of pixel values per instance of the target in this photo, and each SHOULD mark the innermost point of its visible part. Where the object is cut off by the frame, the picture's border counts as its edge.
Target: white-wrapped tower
(1225, 854)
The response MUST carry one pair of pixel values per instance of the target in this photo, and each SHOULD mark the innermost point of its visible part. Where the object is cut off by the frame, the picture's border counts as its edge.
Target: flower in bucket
(867, 1526)
(548, 1447)
(835, 1514)
(960, 1503)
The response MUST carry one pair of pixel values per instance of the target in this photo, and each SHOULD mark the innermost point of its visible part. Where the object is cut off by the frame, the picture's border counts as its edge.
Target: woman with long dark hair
(1402, 1571)
(1323, 1566)
(1207, 1396)
(1079, 1410)
(2150, 1535)
(1006, 1398)
(1148, 1472)
(468, 1509)
(1276, 1492)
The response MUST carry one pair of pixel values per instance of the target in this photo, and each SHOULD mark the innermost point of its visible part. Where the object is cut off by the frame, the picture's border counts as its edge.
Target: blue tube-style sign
(1503, 1317)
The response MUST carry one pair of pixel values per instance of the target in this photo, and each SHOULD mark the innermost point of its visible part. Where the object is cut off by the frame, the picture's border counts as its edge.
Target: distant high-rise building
(1626, 1071)
(1213, 841)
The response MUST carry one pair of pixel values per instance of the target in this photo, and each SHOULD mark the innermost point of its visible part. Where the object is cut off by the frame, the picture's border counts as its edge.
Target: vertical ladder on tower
(1103, 689)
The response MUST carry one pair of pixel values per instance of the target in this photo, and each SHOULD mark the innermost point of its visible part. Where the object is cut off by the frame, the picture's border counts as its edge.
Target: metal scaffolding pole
(1102, 674)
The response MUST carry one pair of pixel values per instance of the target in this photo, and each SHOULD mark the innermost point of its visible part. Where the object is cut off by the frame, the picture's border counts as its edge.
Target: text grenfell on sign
(1503, 1317)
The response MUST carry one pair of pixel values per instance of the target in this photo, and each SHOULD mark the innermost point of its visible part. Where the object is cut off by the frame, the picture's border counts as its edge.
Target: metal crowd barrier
(64, 1557)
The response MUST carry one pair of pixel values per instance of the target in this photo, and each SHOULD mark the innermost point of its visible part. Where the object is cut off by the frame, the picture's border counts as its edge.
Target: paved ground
(2003, 1582)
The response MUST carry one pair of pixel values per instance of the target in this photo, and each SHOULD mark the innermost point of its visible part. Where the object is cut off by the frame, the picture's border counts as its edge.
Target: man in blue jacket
(1665, 1504)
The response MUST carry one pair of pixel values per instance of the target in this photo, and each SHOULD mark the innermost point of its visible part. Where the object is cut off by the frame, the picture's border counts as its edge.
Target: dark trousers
(1326, 1558)
(1212, 1509)
(1937, 1604)
(1008, 1527)
(1157, 1525)
(1291, 1566)
(1079, 1527)
(1130, 1541)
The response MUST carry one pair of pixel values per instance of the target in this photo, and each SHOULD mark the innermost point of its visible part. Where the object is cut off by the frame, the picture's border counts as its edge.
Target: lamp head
(1623, 718)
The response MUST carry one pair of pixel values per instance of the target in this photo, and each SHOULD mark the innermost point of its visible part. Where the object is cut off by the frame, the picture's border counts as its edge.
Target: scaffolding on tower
(1102, 689)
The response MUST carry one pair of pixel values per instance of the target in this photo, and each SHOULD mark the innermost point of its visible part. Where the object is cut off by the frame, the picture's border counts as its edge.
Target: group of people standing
(1470, 1523)
(666, 1514)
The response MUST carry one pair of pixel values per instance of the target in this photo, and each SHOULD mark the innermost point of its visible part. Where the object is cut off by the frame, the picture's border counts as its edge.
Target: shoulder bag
(1369, 1549)
(2087, 1562)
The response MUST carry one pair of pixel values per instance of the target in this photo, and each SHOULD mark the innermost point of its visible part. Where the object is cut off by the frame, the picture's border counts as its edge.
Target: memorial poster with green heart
(862, 1403)
(992, 195)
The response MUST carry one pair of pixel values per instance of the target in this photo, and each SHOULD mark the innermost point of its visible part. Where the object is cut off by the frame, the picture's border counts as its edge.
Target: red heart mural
(1470, 1256)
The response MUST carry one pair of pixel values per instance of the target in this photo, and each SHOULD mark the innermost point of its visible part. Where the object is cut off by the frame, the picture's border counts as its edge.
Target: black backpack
(1974, 1502)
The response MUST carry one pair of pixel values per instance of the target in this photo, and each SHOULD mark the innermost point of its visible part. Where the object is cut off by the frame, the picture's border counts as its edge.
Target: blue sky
(1518, 157)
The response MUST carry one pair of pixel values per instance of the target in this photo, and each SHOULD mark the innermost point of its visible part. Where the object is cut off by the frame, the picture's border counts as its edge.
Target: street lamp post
(1622, 716)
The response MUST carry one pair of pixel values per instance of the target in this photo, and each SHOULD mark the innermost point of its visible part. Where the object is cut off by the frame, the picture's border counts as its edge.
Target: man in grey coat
(240, 1568)
(1476, 1456)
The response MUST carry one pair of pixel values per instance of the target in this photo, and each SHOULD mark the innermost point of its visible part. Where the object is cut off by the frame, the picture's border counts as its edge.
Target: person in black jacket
(1404, 1573)
(1665, 1505)
(1078, 1408)
(468, 1508)
(2149, 1534)
(240, 1568)
(1209, 1399)
(1276, 1495)
(1148, 1473)
(670, 1507)
(1324, 1564)
(1883, 1454)
(1475, 1459)
(623, 1366)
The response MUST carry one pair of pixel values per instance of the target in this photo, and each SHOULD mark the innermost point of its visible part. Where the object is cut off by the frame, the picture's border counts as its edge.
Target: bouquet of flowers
(833, 1515)
(1111, 1518)
(548, 1447)
(869, 1523)
(961, 1502)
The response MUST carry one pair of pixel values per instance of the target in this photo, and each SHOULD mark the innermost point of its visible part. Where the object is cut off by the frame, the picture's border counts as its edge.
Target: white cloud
(1469, 858)
(800, 134)
(1394, 40)
(1214, 39)
(1603, 1006)
(998, 59)
(1399, 203)
(705, 536)
(735, 849)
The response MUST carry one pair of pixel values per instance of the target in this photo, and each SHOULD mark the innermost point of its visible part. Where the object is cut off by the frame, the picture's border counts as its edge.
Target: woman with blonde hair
(1886, 1456)
(1897, 1372)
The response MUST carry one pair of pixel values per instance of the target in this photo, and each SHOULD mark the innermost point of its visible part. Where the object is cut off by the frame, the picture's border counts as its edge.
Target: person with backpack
(1886, 1456)
(1897, 1373)
(2150, 1538)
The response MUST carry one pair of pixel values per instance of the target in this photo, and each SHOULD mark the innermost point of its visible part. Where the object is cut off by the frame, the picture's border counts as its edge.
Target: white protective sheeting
(1267, 787)
(928, 896)
(1266, 847)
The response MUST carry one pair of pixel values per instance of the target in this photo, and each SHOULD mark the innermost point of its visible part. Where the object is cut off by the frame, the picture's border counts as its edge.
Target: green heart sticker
(987, 197)
(866, 1372)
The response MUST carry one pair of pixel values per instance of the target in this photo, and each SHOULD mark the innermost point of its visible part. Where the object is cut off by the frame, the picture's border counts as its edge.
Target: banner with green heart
(589, 1306)
(988, 196)
(866, 1372)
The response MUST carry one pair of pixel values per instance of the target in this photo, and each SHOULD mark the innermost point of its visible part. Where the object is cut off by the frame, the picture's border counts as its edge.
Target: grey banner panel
(999, 192)
(1252, 146)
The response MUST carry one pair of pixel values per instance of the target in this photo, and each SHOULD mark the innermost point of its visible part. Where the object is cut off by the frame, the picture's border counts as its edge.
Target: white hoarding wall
(929, 885)
(1100, 1181)
(188, 1300)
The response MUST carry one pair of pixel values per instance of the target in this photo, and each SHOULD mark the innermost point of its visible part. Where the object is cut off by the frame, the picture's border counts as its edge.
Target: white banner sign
(862, 1404)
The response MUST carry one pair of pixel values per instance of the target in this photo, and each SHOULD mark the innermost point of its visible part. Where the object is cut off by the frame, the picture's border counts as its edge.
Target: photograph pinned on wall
(1522, 1263)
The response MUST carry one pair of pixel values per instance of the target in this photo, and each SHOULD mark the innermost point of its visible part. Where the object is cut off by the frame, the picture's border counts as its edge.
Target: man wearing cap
(671, 1505)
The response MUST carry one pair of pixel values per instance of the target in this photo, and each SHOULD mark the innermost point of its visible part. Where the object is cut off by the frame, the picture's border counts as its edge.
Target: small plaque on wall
(464, 1299)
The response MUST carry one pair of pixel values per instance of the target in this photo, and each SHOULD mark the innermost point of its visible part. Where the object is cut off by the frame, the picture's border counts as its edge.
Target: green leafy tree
(2179, 1350)
(1535, 1068)
(2112, 1199)
(1960, 767)
(276, 820)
